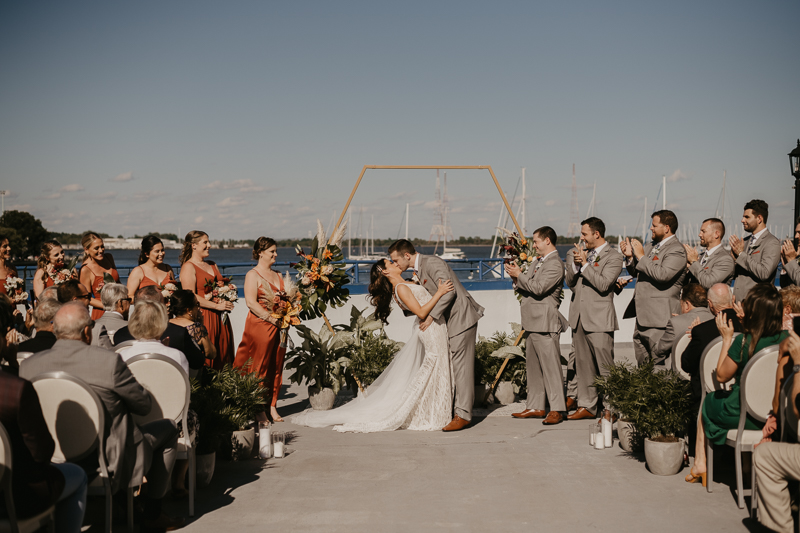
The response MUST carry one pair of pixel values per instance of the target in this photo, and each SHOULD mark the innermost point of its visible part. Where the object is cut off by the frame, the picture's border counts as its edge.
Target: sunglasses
(86, 296)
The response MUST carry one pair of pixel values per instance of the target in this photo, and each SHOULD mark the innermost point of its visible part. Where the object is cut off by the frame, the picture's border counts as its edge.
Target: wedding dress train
(414, 392)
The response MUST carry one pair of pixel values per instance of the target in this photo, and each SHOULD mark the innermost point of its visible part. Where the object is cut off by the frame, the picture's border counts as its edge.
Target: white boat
(452, 253)
(370, 255)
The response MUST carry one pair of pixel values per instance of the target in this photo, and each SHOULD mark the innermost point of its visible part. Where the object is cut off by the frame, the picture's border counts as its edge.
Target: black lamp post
(794, 165)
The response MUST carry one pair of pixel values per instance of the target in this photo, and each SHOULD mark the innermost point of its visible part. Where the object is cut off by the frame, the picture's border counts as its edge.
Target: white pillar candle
(278, 449)
(591, 438)
(607, 436)
(264, 443)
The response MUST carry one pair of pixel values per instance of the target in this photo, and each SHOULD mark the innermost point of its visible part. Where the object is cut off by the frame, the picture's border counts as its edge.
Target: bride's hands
(445, 286)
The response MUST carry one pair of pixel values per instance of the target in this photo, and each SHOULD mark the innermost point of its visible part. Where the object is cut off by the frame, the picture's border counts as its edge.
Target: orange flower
(309, 257)
(523, 242)
(327, 254)
(523, 256)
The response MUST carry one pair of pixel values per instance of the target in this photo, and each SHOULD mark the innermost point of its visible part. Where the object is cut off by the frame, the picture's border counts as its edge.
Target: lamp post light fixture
(794, 168)
(3, 201)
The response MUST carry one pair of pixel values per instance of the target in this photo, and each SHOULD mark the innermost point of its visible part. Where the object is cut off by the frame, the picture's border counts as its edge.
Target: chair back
(123, 346)
(677, 355)
(758, 384)
(708, 367)
(5, 474)
(74, 415)
(166, 382)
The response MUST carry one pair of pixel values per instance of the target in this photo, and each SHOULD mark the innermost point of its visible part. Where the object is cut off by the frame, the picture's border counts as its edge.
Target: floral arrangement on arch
(219, 291)
(321, 274)
(15, 288)
(518, 250)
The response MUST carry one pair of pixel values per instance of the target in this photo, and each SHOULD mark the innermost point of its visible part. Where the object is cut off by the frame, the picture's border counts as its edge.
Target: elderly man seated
(116, 303)
(694, 307)
(43, 322)
(132, 451)
(148, 322)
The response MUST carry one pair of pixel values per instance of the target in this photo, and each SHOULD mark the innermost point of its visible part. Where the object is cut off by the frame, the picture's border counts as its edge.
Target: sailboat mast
(644, 221)
(349, 236)
(664, 190)
(524, 201)
(406, 221)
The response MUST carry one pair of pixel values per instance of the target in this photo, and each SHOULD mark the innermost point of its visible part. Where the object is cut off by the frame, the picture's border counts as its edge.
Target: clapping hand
(788, 252)
(695, 322)
(513, 270)
(737, 245)
(638, 249)
(739, 310)
(691, 254)
(579, 254)
(625, 248)
(725, 327)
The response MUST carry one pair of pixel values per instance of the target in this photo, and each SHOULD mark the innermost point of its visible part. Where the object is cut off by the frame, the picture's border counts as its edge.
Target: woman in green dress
(761, 327)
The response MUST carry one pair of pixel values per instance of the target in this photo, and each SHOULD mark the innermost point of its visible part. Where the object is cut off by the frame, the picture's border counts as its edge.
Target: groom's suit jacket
(593, 291)
(541, 293)
(459, 310)
(659, 281)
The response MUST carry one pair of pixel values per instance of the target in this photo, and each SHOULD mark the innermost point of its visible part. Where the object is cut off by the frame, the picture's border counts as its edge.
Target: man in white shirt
(757, 256)
(714, 265)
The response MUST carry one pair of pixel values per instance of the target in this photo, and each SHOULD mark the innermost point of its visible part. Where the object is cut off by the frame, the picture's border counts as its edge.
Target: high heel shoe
(696, 478)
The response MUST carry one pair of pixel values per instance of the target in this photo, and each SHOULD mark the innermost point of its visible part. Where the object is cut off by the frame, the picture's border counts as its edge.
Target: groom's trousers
(462, 361)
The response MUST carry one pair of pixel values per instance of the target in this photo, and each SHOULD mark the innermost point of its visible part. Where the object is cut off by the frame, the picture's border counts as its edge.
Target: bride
(415, 391)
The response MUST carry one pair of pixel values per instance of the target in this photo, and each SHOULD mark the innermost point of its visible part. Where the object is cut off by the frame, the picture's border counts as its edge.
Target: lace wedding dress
(414, 392)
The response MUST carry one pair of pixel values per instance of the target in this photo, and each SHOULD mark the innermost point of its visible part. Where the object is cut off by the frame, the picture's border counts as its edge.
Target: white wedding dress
(414, 392)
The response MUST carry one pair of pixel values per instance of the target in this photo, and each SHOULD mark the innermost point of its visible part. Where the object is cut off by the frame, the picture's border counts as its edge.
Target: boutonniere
(424, 281)
(415, 279)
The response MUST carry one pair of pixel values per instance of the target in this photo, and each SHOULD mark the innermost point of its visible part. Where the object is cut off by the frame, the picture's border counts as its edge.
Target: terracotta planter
(321, 400)
(205, 468)
(242, 443)
(664, 458)
(505, 393)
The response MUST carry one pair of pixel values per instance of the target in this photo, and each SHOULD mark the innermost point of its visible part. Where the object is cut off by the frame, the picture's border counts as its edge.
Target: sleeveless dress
(219, 334)
(414, 392)
(146, 282)
(97, 286)
(261, 342)
(11, 272)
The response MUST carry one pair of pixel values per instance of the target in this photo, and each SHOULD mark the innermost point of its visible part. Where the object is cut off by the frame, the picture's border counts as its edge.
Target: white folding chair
(169, 387)
(76, 419)
(709, 383)
(755, 397)
(677, 354)
(13, 524)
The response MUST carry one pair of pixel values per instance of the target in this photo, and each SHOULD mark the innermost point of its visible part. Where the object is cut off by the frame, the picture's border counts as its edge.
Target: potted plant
(508, 390)
(617, 390)
(320, 361)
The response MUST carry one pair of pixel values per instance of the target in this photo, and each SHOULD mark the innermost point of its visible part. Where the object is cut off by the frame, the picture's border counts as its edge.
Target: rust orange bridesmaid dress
(11, 272)
(261, 342)
(97, 286)
(219, 334)
(146, 282)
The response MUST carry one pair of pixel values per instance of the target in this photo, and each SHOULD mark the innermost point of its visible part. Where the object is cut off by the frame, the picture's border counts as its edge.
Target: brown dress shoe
(553, 418)
(456, 424)
(572, 404)
(580, 414)
(530, 413)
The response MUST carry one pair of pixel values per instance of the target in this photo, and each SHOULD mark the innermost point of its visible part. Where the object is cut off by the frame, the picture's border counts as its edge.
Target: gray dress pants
(462, 361)
(594, 351)
(543, 366)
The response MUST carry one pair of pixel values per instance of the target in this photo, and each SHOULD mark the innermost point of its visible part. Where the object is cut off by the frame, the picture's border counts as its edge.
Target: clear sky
(251, 118)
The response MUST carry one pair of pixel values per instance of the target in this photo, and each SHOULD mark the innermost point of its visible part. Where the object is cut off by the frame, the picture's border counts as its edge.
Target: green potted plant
(320, 360)
(507, 390)
(616, 388)
(370, 350)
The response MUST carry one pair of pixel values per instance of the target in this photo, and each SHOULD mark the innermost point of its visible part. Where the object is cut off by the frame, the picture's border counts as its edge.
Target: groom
(461, 314)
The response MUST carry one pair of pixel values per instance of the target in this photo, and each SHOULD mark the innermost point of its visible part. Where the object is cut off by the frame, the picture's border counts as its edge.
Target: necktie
(704, 260)
(751, 245)
(591, 257)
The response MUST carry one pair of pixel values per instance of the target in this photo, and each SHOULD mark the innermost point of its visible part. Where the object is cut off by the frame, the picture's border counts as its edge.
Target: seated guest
(43, 321)
(73, 290)
(174, 336)
(790, 272)
(185, 311)
(790, 296)
(694, 306)
(116, 304)
(37, 483)
(132, 451)
(148, 322)
(776, 463)
(761, 327)
(50, 293)
(791, 304)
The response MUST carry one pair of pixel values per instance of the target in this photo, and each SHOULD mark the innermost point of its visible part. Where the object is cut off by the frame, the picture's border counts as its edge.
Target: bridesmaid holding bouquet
(152, 269)
(6, 269)
(51, 269)
(261, 341)
(195, 275)
(96, 264)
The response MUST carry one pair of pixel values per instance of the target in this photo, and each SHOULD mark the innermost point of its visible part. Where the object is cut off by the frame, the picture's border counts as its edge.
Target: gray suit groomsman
(541, 288)
(715, 265)
(592, 275)
(758, 256)
(790, 260)
(660, 270)
(694, 305)
(460, 313)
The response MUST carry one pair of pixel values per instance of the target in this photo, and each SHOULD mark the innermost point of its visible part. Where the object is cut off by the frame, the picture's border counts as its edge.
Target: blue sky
(251, 118)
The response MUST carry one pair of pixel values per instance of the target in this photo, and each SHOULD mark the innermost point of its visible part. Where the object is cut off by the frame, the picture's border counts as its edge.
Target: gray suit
(792, 269)
(541, 292)
(757, 265)
(718, 269)
(461, 314)
(676, 328)
(128, 449)
(104, 329)
(656, 296)
(593, 319)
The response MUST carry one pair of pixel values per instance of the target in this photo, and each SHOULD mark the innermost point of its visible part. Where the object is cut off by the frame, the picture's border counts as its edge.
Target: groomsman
(660, 270)
(715, 265)
(541, 290)
(592, 275)
(791, 266)
(758, 256)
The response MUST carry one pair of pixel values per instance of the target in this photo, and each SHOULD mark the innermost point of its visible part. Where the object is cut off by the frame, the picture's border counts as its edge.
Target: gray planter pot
(625, 431)
(664, 458)
(505, 393)
(321, 400)
(481, 392)
(205, 468)
(242, 442)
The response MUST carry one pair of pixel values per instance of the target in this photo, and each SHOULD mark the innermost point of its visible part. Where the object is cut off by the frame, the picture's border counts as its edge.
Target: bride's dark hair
(381, 290)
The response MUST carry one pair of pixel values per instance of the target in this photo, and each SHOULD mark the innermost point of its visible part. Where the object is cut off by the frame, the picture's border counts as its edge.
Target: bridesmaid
(152, 269)
(51, 258)
(261, 338)
(6, 269)
(96, 264)
(195, 272)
